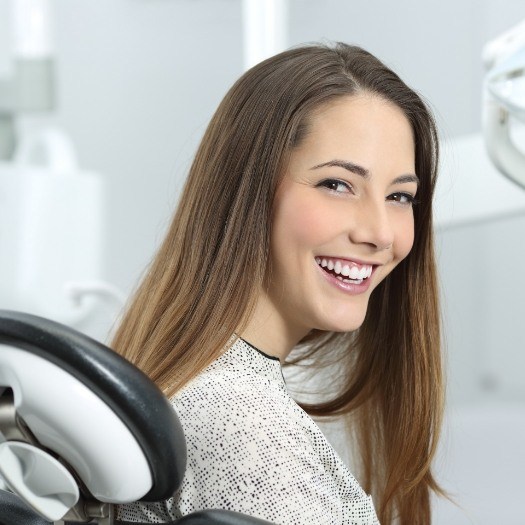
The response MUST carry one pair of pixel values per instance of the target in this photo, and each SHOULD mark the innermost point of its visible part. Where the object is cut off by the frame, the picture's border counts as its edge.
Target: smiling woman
(304, 226)
(355, 214)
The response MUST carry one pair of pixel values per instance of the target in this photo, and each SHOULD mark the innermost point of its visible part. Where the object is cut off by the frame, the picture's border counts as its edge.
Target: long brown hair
(202, 284)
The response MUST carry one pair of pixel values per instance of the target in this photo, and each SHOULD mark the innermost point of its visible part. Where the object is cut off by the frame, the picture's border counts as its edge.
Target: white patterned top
(252, 449)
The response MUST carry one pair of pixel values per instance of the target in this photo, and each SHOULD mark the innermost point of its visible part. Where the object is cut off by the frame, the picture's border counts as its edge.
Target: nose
(373, 226)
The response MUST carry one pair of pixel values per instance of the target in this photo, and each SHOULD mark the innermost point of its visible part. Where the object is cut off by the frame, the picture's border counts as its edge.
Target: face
(343, 215)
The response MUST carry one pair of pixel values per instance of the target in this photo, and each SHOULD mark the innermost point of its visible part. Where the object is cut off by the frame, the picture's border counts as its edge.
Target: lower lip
(349, 288)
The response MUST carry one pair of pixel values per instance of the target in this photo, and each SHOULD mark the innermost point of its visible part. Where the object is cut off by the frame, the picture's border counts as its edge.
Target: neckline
(273, 357)
(242, 356)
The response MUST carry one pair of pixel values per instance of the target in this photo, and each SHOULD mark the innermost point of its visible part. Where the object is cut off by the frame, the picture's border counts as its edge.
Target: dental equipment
(51, 225)
(504, 97)
(265, 27)
(31, 87)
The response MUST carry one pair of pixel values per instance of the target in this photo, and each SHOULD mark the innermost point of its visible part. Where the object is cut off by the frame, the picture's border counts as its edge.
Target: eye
(405, 199)
(335, 185)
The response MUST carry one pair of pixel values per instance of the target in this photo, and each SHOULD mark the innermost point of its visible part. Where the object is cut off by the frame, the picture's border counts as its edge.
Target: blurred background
(99, 153)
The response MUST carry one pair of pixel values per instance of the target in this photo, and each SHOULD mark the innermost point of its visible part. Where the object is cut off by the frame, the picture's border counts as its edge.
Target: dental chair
(81, 430)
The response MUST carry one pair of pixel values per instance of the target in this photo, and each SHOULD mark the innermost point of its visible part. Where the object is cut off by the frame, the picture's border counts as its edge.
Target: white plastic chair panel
(70, 419)
(38, 478)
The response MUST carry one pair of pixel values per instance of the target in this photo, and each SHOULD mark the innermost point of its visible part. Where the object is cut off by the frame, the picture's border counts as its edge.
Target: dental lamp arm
(504, 58)
(504, 45)
(504, 154)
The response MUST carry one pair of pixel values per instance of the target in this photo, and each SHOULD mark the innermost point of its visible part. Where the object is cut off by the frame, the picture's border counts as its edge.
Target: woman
(298, 227)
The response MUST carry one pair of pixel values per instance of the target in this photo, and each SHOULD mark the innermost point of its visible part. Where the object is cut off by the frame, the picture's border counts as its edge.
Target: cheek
(299, 221)
(404, 239)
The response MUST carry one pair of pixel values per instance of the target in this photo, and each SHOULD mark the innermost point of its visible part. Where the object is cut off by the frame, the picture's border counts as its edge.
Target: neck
(270, 332)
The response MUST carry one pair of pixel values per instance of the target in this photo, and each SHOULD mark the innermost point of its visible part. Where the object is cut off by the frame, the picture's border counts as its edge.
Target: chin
(347, 323)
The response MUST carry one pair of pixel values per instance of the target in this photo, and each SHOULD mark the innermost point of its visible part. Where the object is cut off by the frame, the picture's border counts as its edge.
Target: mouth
(344, 270)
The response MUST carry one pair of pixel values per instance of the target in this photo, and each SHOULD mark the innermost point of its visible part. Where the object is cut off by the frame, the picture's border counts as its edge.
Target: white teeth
(353, 273)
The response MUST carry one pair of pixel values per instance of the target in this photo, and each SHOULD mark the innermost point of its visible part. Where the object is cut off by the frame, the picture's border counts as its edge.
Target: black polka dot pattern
(253, 450)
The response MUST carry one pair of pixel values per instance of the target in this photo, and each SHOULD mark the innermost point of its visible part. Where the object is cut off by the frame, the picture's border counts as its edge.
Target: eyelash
(329, 183)
(410, 199)
(332, 184)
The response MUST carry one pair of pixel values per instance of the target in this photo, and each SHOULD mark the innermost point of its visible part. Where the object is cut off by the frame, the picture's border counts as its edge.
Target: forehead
(360, 128)
(354, 113)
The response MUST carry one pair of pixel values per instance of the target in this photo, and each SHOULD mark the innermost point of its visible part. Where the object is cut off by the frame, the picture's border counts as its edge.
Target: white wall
(138, 81)
(483, 283)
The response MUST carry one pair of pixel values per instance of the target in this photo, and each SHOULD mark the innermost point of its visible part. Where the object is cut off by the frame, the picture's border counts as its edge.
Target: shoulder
(248, 400)
(251, 448)
(250, 418)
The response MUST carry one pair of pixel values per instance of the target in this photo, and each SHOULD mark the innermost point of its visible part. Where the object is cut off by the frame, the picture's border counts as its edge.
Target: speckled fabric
(252, 449)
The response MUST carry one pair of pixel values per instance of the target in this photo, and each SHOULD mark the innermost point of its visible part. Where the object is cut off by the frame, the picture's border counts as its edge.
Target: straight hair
(201, 286)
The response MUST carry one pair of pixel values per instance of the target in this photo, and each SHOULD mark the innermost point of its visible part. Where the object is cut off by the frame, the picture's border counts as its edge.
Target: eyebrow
(363, 172)
(402, 179)
(350, 166)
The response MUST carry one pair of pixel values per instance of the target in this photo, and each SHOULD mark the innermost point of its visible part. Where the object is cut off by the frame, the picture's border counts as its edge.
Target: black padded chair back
(13, 511)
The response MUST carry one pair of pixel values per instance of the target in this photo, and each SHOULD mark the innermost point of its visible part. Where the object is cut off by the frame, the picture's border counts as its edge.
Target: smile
(345, 271)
